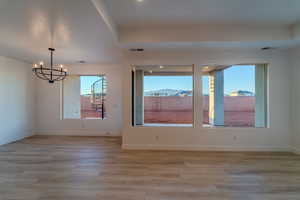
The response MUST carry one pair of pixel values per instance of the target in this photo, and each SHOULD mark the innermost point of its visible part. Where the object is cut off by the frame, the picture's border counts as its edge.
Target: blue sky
(167, 82)
(86, 83)
(235, 78)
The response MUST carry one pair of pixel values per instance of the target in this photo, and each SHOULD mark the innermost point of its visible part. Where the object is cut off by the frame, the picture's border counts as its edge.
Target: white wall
(275, 138)
(295, 63)
(49, 120)
(16, 100)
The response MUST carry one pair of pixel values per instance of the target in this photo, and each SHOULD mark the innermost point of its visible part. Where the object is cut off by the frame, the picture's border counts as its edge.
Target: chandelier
(52, 73)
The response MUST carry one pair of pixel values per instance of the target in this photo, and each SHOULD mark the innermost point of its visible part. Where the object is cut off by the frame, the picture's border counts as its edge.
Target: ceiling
(73, 27)
(174, 12)
(101, 30)
(194, 24)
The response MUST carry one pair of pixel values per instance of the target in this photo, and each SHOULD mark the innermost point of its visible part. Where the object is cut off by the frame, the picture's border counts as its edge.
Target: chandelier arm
(65, 76)
(49, 69)
(60, 77)
(42, 73)
(57, 79)
(53, 75)
(54, 70)
(51, 65)
(48, 74)
(41, 77)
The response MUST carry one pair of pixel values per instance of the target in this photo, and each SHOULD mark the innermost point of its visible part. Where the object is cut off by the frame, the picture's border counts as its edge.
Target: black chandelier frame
(51, 74)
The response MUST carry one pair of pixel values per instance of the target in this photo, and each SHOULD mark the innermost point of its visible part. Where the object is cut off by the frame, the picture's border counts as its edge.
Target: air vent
(138, 49)
(267, 48)
(81, 61)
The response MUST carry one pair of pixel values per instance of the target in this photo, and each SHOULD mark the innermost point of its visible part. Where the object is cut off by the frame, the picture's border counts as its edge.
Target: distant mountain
(172, 92)
(168, 92)
(241, 93)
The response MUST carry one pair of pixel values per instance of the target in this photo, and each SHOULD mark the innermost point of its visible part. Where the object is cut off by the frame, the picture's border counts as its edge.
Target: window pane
(239, 93)
(93, 93)
(205, 101)
(163, 95)
(230, 97)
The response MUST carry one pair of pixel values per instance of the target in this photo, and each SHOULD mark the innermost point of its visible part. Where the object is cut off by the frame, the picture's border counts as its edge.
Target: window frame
(267, 95)
(133, 101)
(62, 101)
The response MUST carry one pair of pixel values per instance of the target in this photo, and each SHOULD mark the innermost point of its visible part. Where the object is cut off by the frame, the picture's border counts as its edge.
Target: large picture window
(163, 95)
(84, 97)
(235, 96)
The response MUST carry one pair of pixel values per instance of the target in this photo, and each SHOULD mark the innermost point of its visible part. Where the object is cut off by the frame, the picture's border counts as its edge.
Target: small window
(235, 96)
(84, 97)
(162, 96)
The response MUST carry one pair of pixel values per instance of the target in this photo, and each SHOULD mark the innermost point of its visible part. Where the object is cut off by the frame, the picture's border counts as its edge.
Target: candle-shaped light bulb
(35, 65)
(61, 66)
(41, 63)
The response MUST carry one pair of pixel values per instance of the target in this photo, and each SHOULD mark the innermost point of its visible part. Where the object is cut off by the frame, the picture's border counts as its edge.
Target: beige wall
(16, 100)
(276, 137)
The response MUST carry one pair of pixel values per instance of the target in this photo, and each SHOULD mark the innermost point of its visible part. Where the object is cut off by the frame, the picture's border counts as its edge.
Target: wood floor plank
(61, 167)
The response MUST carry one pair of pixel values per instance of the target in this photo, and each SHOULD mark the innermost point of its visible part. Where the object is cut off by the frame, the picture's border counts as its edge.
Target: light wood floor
(84, 168)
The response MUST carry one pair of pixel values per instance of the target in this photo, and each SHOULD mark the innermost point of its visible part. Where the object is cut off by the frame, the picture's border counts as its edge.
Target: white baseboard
(77, 133)
(204, 148)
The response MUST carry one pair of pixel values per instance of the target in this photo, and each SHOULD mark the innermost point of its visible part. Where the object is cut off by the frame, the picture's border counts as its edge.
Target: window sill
(166, 125)
(207, 126)
(86, 119)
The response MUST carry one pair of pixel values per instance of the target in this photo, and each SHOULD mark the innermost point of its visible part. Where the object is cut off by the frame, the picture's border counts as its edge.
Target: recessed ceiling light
(138, 49)
(267, 48)
(139, 0)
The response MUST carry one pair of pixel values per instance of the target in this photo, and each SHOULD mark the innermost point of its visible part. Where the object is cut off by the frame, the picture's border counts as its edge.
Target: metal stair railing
(98, 95)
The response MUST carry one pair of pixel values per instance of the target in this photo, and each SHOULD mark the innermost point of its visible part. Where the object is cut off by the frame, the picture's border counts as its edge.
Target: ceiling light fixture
(52, 73)
(161, 67)
(139, 0)
(267, 48)
(138, 49)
